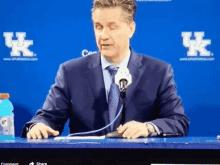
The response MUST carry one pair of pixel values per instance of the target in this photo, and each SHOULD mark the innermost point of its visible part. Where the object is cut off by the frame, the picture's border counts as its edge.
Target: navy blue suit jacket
(79, 94)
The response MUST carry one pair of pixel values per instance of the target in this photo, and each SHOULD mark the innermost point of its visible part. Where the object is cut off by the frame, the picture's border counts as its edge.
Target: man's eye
(112, 27)
(98, 27)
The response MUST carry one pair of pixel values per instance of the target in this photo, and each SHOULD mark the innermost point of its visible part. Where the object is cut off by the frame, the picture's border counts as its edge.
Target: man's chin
(107, 54)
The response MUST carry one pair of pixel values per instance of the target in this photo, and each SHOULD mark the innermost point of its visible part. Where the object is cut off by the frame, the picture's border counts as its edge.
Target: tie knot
(112, 70)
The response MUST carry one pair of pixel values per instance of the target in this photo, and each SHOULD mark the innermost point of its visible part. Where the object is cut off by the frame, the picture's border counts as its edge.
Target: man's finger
(44, 133)
(119, 127)
(28, 135)
(56, 133)
(136, 135)
(33, 135)
(53, 132)
(132, 133)
(128, 132)
(123, 128)
(38, 134)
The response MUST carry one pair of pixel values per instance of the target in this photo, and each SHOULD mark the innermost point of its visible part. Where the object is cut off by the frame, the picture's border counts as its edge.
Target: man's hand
(133, 129)
(40, 129)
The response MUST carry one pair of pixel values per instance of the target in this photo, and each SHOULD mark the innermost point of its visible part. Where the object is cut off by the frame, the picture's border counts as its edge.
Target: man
(83, 91)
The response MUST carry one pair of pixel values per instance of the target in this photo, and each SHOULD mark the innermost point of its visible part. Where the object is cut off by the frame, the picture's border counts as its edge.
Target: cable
(83, 133)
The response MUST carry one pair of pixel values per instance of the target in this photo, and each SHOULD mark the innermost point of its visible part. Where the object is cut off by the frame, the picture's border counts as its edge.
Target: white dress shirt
(107, 75)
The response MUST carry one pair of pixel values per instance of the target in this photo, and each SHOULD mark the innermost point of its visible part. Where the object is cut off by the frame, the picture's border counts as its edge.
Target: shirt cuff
(155, 127)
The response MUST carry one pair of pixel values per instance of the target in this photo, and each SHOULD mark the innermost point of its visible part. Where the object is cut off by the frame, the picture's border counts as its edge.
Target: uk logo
(19, 45)
(197, 45)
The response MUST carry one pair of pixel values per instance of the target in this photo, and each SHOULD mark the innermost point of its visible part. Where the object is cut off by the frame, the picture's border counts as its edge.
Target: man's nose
(105, 34)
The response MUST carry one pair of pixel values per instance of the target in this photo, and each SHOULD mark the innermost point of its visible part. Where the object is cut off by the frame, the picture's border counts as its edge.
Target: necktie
(114, 94)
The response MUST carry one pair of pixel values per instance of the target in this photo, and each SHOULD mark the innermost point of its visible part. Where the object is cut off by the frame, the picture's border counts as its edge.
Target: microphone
(123, 78)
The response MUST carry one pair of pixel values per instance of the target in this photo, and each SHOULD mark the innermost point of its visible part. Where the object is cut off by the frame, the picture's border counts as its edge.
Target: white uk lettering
(197, 45)
(19, 45)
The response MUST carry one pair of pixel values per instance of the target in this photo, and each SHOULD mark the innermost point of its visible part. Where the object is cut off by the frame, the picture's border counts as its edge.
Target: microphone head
(123, 74)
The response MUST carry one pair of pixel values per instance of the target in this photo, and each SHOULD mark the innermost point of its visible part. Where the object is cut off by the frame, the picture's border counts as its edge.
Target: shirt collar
(105, 63)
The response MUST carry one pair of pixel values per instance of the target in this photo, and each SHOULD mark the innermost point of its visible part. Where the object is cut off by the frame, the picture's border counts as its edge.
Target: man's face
(111, 32)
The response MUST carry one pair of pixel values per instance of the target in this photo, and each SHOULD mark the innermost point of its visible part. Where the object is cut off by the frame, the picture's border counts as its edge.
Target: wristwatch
(150, 128)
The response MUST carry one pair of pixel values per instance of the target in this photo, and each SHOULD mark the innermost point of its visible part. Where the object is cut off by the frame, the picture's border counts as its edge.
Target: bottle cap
(4, 96)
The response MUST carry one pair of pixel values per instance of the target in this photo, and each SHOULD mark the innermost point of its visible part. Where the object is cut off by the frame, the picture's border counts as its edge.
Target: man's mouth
(106, 45)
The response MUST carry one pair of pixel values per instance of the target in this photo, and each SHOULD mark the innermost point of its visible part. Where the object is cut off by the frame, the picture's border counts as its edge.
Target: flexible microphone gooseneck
(94, 131)
(123, 79)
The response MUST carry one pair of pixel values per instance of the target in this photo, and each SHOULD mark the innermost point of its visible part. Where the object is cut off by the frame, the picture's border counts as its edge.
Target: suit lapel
(134, 69)
(96, 81)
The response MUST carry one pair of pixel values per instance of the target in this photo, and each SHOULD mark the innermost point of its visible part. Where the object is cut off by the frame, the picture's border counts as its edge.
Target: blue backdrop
(62, 30)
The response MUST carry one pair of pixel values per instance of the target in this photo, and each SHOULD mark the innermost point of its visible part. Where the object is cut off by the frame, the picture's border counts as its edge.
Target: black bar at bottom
(108, 156)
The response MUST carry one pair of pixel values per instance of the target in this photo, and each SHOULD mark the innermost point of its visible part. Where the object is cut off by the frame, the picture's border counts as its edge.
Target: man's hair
(128, 6)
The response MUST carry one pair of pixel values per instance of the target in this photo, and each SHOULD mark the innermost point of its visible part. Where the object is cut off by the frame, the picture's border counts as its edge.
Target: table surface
(153, 143)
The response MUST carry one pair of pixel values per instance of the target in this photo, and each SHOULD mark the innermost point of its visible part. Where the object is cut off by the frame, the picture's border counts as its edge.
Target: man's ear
(132, 26)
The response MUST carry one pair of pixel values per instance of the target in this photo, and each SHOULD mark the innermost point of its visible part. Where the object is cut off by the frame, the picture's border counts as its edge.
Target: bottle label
(7, 125)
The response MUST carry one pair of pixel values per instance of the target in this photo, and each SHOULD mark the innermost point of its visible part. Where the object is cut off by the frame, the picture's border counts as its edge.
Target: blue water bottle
(6, 118)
